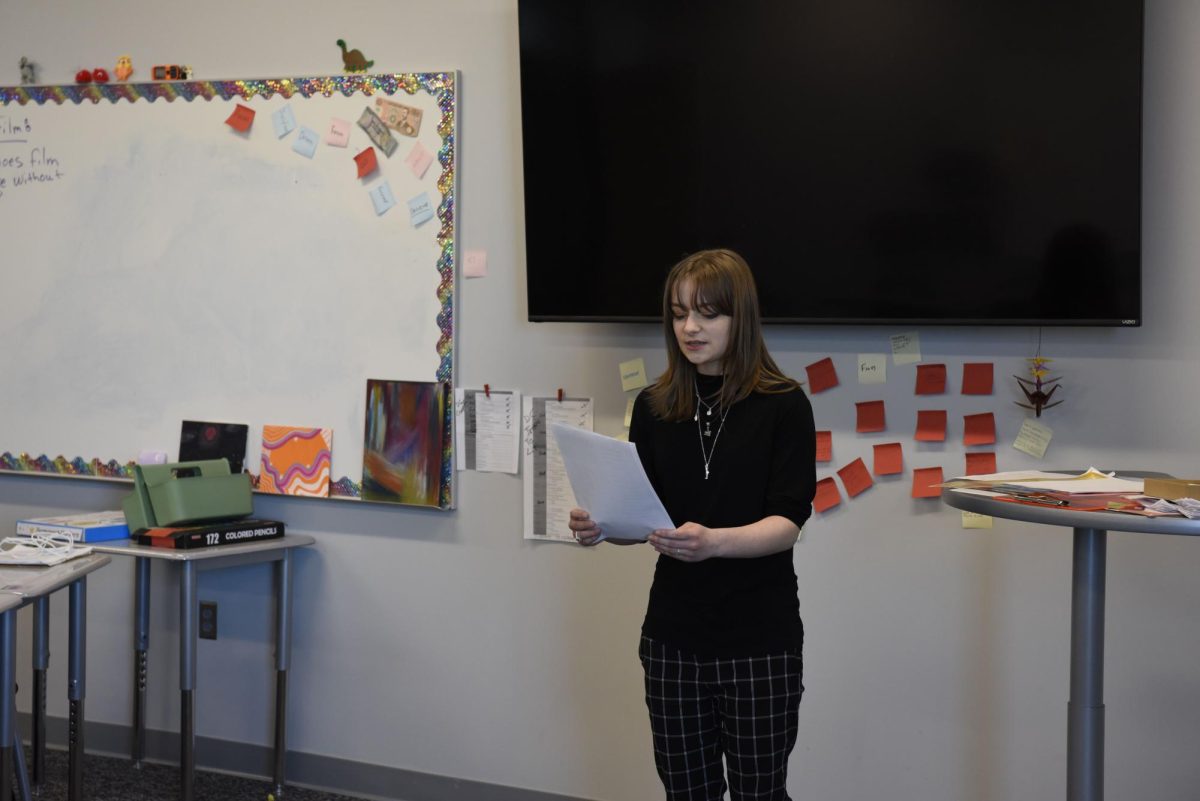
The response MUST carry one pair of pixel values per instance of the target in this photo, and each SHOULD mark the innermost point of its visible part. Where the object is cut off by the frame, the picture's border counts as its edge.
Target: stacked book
(210, 534)
(1090, 491)
(88, 527)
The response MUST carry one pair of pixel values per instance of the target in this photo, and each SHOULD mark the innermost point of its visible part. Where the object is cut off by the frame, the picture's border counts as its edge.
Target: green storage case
(185, 493)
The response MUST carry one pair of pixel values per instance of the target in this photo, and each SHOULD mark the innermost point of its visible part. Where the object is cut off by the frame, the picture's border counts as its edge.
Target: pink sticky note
(931, 379)
(418, 159)
(977, 378)
(475, 263)
(338, 134)
(821, 375)
(981, 464)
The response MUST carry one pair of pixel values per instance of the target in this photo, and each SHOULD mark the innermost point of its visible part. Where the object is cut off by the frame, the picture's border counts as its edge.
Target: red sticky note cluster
(870, 416)
(981, 464)
(824, 446)
(979, 429)
(931, 425)
(827, 495)
(931, 379)
(241, 119)
(889, 459)
(977, 378)
(855, 477)
(925, 481)
(821, 375)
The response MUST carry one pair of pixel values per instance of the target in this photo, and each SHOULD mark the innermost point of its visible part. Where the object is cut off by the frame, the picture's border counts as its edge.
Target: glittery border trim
(438, 84)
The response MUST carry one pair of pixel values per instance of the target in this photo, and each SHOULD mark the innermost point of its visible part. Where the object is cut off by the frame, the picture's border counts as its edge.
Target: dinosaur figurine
(353, 60)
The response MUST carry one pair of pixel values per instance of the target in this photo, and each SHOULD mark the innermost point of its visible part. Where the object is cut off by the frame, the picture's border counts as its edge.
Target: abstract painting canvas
(296, 461)
(402, 446)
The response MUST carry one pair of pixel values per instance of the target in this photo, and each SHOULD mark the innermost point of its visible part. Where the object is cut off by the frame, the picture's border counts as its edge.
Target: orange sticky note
(241, 119)
(870, 416)
(981, 464)
(925, 481)
(855, 477)
(821, 375)
(889, 459)
(931, 426)
(931, 379)
(977, 378)
(824, 446)
(827, 495)
(366, 161)
(979, 429)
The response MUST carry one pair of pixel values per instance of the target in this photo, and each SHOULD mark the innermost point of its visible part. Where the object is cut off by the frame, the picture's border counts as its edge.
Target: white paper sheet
(488, 430)
(548, 496)
(608, 480)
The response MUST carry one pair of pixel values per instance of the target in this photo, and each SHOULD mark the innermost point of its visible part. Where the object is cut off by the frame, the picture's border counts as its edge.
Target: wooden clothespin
(487, 391)
(560, 394)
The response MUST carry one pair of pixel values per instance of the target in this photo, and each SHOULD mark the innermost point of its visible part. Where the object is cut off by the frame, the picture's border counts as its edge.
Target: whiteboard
(159, 265)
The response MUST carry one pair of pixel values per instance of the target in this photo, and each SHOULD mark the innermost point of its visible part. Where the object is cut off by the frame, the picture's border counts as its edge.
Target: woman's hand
(691, 542)
(583, 528)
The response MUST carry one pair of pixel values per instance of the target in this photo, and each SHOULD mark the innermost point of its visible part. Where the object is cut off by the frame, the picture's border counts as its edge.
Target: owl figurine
(124, 68)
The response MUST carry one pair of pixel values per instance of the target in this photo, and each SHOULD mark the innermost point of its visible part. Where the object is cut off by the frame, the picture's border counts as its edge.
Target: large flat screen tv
(875, 161)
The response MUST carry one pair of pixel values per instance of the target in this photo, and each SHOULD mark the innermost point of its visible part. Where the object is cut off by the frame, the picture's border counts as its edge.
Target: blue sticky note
(306, 142)
(420, 209)
(382, 198)
(284, 121)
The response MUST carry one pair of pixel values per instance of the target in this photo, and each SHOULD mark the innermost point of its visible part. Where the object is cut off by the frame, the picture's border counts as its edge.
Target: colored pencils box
(249, 530)
(89, 527)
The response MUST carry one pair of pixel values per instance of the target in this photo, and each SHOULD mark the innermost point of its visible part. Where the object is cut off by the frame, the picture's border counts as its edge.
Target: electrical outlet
(208, 620)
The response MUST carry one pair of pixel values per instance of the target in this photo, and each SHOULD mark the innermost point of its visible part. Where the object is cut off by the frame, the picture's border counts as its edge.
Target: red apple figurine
(83, 76)
(100, 75)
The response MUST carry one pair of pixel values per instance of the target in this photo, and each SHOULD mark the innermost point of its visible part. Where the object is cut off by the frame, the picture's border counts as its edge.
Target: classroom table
(1085, 708)
(21, 586)
(190, 562)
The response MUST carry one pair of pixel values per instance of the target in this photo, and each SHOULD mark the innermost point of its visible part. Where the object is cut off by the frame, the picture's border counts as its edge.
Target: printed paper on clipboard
(609, 482)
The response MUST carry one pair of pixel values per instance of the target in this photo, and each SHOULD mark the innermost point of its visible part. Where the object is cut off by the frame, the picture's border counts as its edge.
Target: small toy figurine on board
(1035, 390)
(353, 60)
(28, 71)
(124, 68)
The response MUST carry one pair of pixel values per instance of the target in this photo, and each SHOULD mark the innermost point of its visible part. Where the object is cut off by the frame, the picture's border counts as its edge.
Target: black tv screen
(875, 161)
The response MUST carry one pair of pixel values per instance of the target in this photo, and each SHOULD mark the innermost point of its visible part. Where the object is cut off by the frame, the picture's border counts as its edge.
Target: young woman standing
(728, 442)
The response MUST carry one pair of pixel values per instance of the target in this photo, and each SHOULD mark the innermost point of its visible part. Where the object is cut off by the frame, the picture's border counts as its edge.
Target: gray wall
(442, 643)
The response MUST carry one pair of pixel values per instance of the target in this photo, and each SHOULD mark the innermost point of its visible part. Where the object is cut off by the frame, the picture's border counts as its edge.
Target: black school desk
(190, 561)
(1085, 709)
(20, 586)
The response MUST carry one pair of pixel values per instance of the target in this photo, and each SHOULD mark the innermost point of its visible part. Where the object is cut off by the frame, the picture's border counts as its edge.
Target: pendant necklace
(707, 455)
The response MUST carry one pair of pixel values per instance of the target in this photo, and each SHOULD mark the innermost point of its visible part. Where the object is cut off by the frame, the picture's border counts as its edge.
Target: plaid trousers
(745, 710)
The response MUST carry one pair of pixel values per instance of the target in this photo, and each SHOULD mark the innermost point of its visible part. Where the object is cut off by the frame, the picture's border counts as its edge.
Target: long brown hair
(721, 282)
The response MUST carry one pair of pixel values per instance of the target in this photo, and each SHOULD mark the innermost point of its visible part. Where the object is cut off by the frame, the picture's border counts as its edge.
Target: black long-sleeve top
(764, 464)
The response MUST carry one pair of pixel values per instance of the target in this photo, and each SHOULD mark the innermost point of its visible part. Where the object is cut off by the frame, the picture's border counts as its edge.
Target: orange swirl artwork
(296, 461)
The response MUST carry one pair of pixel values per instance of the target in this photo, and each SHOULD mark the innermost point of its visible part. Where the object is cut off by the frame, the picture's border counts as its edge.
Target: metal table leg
(189, 622)
(141, 645)
(76, 685)
(1085, 718)
(283, 658)
(22, 791)
(8, 677)
(41, 661)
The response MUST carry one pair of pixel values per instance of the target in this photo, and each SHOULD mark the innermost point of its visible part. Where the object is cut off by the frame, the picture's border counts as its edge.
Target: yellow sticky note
(1033, 438)
(629, 410)
(973, 520)
(906, 348)
(633, 374)
(872, 368)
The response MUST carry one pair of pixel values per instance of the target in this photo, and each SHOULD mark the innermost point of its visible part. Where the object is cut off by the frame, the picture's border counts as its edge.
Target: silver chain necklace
(707, 455)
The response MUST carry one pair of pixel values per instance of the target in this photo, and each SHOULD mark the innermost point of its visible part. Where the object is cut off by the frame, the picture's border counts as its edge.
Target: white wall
(442, 643)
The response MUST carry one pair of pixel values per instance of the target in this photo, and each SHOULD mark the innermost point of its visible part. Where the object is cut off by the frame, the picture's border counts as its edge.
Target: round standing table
(1085, 710)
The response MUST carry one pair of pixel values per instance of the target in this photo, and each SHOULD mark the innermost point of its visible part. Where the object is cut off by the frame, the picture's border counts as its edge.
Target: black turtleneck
(764, 463)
